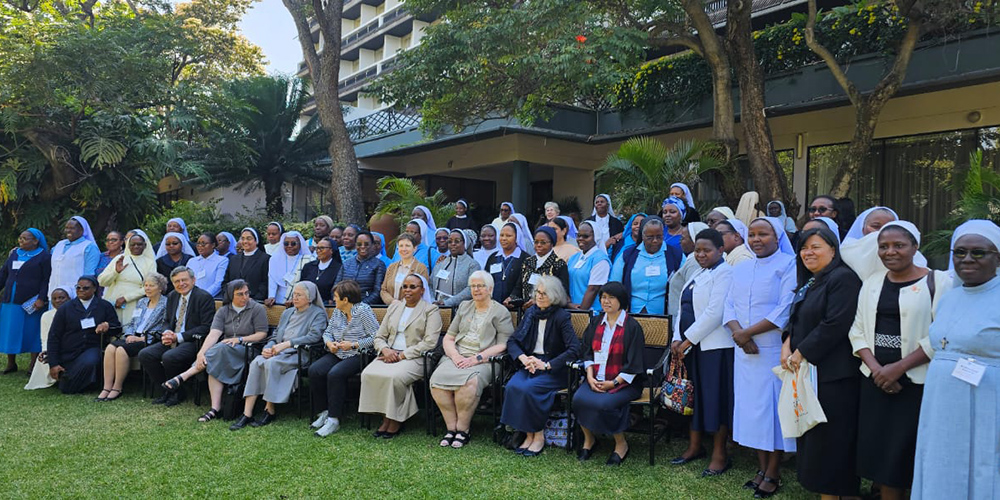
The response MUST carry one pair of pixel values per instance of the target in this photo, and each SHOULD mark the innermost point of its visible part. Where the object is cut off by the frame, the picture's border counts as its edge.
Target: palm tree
(398, 196)
(643, 169)
(259, 145)
(978, 200)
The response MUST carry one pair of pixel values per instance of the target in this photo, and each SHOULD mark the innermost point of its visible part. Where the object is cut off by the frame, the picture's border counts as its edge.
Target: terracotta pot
(387, 225)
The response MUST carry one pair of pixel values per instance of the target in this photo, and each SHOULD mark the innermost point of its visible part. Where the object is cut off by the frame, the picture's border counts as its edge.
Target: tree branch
(831, 62)
(297, 10)
(891, 82)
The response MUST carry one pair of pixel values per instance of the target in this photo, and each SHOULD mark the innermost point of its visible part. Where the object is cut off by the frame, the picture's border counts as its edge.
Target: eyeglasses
(976, 253)
(410, 287)
(324, 248)
(477, 286)
(81, 288)
(204, 243)
(291, 243)
(819, 210)
(541, 293)
(112, 240)
(543, 242)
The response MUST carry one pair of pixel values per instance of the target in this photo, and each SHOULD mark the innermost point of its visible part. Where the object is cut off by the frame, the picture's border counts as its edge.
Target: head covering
(277, 266)
(728, 212)
(184, 227)
(426, 238)
(693, 228)
(325, 218)
(509, 204)
(785, 219)
(740, 228)
(185, 245)
(230, 291)
(281, 229)
(466, 237)
(471, 237)
(381, 239)
(857, 230)
(148, 251)
(444, 230)
(687, 193)
(905, 224)
(830, 223)
(527, 243)
(548, 231)
(462, 201)
(747, 211)
(784, 246)
(312, 291)
(427, 288)
(430, 217)
(256, 237)
(677, 202)
(985, 228)
(91, 278)
(42, 242)
(519, 241)
(87, 233)
(611, 210)
(570, 227)
(232, 242)
(627, 240)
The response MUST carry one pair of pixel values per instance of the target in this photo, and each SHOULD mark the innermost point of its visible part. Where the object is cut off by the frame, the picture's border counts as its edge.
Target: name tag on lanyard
(17, 264)
(86, 323)
(652, 271)
(967, 370)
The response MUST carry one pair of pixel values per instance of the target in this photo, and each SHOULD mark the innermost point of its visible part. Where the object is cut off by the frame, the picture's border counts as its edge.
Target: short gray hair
(181, 269)
(158, 280)
(554, 289)
(486, 278)
(552, 204)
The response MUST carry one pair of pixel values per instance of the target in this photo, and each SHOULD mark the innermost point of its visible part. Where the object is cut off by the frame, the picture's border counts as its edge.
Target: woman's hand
(232, 341)
(201, 362)
(786, 352)
(281, 346)
(751, 347)
(389, 355)
(131, 339)
(331, 346)
(680, 347)
(267, 353)
(467, 362)
(741, 337)
(269, 301)
(887, 377)
(120, 265)
(39, 304)
(120, 302)
(795, 360)
(102, 328)
(344, 345)
(55, 371)
(594, 384)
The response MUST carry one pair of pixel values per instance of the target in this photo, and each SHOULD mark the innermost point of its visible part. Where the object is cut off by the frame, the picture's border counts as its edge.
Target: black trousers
(162, 362)
(328, 382)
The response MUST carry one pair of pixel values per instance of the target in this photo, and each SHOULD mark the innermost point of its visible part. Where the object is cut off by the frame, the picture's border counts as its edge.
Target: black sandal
(759, 493)
(109, 398)
(750, 485)
(461, 439)
(99, 399)
(209, 416)
(173, 384)
(448, 438)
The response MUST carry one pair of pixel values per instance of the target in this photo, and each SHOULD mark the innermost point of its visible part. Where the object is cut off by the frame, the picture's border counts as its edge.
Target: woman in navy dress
(25, 278)
(74, 348)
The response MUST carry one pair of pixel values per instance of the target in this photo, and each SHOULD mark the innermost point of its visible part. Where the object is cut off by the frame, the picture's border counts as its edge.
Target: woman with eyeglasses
(208, 266)
(825, 205)
(545, 262)
(323, 271)
(74, 346)
(957, 454)
(506, 209)
(149, 317)
(25, 278)
(644, 270)
(123, 278)
(588, 270)
(174, 251)
(366, 269)
(115, 244)
(251, 265)
(405, 265)
(285, 268)
(450, 276)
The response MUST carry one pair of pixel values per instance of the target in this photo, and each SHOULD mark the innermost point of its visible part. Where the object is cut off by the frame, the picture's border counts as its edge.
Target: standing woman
(506, 209)
(441, 236)
(681, 190)
(487, 244)
(379, 240)
(208, 266)
(395, 275)
(365, 269)
(149, 317)
(717, 215)
(75, 256)
(174, 251)
(757, 309)
(565, 232)
(115, 244)
(450, 277)
(673, 213)
(322, 272)
(273, 233)
(74, 347)
(632, 237)
(505, 264)
(25, 277)
(348, 242)
(957, 455)
(644, 270)
(822, 314)
(225, 244)
(422, 251)
(607, 228)
(123, 278)
(734, 235)
(542, 345)
(423, 213)
(544, 262)
(588, 270)
(251, 265)
(825, 205)
(322, 226)
(890, 335)
(776, 209)
(675, 285)
(461, 219)
(525, 233)
(612, 354)
(284, 268)
(699, 327)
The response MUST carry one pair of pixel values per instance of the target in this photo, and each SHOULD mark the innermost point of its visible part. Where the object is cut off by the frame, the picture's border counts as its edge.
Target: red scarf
(616, 352)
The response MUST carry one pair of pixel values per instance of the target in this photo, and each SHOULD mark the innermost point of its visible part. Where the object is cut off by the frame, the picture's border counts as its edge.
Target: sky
(270, 26)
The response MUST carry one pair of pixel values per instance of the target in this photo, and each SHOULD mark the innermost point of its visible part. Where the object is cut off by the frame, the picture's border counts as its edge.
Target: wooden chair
(380, 312)
(218, 304)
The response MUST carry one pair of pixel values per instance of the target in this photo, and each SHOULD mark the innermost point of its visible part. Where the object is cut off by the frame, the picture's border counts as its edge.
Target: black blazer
(635, 345)
(251, 269)
(200, 313)
(553, 266)
(32, 279)
(324, 280)
(165, 265)
(821, 321)
(67, 340)
(560, 344)
(504, 284)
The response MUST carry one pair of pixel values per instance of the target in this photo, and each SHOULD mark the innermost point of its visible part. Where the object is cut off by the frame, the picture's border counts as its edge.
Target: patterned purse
(677, 391)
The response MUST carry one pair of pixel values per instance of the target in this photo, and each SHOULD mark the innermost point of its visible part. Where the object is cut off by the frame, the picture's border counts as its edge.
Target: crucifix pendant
(944, 343)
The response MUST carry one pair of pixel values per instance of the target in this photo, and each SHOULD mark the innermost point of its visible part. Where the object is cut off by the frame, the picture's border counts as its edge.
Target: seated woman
(74, 348)
(542, 345)
(487, 245)
(411, 327)
(588, 270)
(644, 270)
(175, 251)
(505, 264)
(613, 359)
(40, 378)
(365, 269)
(323, 271)
(208, 266)
(544, 262)
(407, 264)
(451, 276)
(274, 373)
(352, 327)
(479, 330)
(710, 361)
(284, 268)
(565, 233)
(124, 278)
(239, 321)
(149, 317)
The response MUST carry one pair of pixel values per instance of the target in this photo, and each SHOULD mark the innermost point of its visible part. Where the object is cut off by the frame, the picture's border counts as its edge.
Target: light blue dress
(958, 441)
(649, 286)
(588, 269)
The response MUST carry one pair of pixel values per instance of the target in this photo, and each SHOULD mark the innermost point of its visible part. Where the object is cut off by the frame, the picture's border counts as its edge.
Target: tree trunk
(273, 198)
(861, 143)
(769, 180)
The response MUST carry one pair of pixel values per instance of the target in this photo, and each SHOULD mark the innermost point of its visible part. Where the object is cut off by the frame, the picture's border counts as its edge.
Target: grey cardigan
(312, 332)
(497, 329)
(454, 288)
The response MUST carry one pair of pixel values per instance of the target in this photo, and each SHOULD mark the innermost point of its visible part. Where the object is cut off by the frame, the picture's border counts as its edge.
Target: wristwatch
(616, 382)
(548, 366)
(479, 357)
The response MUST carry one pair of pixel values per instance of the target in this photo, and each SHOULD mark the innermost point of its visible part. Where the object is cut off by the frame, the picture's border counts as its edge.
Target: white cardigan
(916, 312)
(711, 287)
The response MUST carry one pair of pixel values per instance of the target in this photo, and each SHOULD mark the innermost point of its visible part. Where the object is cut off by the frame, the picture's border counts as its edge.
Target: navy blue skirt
(712, 374)
(81, 373)
(604, 413)
(528, 399)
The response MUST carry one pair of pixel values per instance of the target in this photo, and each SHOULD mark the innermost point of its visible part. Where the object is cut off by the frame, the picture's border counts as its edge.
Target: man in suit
(190, 311)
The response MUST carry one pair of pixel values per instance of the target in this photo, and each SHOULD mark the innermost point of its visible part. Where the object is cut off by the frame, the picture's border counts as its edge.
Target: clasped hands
(532, 364)
(343, 345)
(599, 385)
(744, 340)
(276, 349)
(389, 355)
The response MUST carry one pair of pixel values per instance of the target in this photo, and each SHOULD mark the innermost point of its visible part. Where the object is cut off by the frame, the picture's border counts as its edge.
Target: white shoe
(331, 426)
(320, 421)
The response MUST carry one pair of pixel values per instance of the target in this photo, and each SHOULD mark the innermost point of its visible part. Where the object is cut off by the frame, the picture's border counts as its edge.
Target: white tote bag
(798, 406)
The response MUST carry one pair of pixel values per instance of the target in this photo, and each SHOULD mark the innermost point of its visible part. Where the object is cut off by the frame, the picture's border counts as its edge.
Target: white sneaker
(320, 421)
(331, 426)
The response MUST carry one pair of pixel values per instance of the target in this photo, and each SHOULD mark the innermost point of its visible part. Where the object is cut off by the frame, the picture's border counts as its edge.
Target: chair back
(446, 313)
(218, 304)
(656, 328)
(274, 316)
(515, 318)
(581, 320)
(380, 312)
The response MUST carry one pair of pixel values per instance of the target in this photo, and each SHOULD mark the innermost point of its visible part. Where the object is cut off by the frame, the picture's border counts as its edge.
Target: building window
(167, 198)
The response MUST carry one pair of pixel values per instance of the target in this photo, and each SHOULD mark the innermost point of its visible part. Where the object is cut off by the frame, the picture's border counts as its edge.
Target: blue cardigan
(32, 279)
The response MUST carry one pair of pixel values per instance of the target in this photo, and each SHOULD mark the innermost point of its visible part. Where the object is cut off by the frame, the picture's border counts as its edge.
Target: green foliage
(205, 216)
(643, 169)
(398, 196)
(979, 199)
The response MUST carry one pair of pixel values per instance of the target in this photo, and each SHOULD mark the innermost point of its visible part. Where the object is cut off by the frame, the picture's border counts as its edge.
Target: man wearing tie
(189, 314)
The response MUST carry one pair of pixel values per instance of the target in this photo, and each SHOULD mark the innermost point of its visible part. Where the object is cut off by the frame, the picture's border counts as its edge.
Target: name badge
(200, 274)
(601, 357)
(967, 370)
(17, 264)
(652, 270)
(533, 280)
(443, 274)
(86, 323)
(290, 278)
(496, 268)
(580, 263)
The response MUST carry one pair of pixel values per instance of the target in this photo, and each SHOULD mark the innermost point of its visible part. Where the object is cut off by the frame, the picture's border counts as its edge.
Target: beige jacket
(421, 329)
(388, 292)
(497, 330)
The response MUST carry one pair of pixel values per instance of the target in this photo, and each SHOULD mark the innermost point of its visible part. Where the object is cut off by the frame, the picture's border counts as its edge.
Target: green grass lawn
(53, 445)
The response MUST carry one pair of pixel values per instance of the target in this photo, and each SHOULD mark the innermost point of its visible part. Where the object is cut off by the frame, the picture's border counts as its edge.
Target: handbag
(798, 406)
(556, 430)
(677, 390)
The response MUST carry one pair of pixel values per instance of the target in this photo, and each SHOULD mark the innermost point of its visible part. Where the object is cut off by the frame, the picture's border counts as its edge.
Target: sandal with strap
(461, 439)
(751, 485)
(173, 384)
(109, 398)
(448, 438)
(100, 399)
(209, 416)
(759, 493)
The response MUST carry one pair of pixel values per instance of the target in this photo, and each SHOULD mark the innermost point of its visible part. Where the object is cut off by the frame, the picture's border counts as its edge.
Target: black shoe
(750, 485)
(378, 434)
(529, 453)
(717, 472)
(585, 454)
(681, 460)
(265, 419)
(174, 399)
(162, 399)
(759, 493)
(614, 459)
(390, 435)
(240, 423)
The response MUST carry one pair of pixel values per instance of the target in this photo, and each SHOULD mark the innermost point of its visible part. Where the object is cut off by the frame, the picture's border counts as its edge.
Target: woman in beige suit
(411, 327)
(479, 331)
(392, 285)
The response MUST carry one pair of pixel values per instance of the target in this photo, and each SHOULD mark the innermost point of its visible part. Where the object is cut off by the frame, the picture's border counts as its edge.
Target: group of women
(902, 357)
